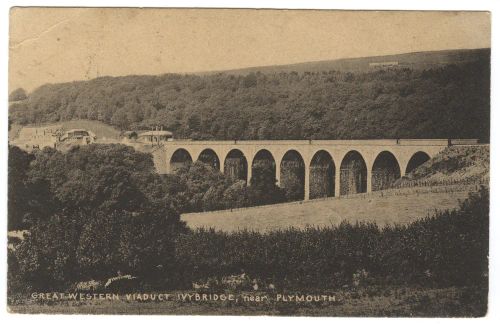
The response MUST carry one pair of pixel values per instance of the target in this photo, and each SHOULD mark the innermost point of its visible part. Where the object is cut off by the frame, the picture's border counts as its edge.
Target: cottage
(155, 136)
(78, 136)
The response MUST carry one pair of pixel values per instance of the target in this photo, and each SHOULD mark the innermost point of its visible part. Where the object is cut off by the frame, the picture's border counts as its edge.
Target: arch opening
(385, 171)
(292, 175)
(353, 174)
(416, 160)
(321, 175)
(263, 165)
(235, 165)
(180, 158)
(209, 157)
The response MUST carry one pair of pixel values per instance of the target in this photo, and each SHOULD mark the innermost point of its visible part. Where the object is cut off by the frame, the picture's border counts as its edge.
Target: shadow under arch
(292, 175)
(209, 157)
(385, 171)
(180, 158)
(263, 159)
(417, 159)
(321, 175)
(353, 174)
(235, 165)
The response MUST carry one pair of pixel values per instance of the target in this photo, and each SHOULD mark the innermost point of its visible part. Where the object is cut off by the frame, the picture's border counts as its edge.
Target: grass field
(103, 131)
(384, 207)
(367, 301)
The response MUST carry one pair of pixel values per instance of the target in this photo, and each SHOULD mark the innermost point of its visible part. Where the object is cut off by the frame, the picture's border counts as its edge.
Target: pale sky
(50, 45)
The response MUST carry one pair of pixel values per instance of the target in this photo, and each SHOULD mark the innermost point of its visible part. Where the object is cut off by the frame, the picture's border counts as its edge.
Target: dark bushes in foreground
(447, 249)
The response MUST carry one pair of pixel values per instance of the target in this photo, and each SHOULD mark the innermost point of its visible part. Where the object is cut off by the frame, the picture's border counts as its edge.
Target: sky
(51, 45)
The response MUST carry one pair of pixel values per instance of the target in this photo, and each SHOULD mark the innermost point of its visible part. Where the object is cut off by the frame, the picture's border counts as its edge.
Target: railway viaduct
(321, 167)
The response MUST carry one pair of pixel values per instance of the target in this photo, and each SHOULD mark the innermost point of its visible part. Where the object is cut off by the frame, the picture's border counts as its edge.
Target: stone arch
(263, 159)
(292, 175)
(181, 157)
(209, 157)
(321, 175)
(235, 165)
(353, 174)
(385, 171)
(417, 159)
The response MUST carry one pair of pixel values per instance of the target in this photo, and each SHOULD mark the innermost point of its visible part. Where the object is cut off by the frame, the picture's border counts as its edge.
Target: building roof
(67, 133)
(150, 133)
(76, 130)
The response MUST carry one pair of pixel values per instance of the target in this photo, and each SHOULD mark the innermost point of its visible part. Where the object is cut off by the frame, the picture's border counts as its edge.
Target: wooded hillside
(446, 101)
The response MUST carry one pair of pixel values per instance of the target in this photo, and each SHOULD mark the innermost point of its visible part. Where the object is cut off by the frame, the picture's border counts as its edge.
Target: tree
(120, 119)
(105, 177)
(17, 95)
(146, 246)
(263, 189)
(196, 180)
(236, 195)
(97, 252)
(214, 198)
(18, 198)
(112, 214)
(46, 256)
(294, 191)
(78, 246)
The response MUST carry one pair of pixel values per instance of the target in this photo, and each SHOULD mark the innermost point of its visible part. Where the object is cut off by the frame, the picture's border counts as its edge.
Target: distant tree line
(451, 101)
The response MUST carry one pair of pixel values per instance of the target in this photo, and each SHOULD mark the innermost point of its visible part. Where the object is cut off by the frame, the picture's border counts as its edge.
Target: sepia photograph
(197, 161)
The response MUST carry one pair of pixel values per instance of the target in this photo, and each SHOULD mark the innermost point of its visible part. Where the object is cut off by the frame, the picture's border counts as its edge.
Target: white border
(478, 5)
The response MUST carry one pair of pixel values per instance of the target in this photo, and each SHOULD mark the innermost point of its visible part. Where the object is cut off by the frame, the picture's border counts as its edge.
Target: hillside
(448, 100)
(393, 207)
(457, 164)
(415, 60)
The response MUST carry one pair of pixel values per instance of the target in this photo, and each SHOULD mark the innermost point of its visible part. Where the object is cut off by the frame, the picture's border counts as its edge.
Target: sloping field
(415, 60)
(456, 164)
(385, 207)
(103, 131)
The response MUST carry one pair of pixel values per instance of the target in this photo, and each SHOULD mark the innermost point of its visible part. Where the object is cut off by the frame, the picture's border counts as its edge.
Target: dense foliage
(17, 95)
(89, 213)
(449, 101)
(18, 205)
(198, 187)
(109, 178)
(108, 211)
(106, 178)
